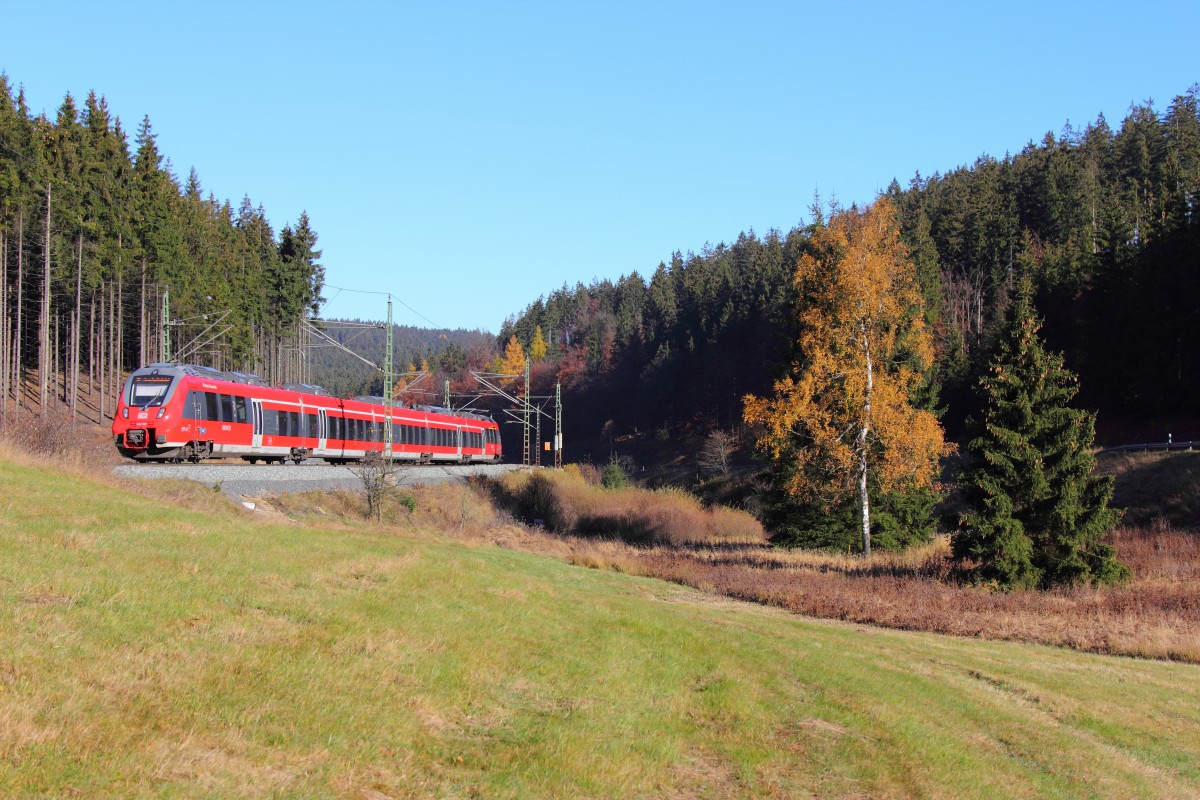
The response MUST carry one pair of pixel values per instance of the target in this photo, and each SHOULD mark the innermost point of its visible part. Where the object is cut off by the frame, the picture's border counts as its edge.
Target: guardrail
(1138, 448)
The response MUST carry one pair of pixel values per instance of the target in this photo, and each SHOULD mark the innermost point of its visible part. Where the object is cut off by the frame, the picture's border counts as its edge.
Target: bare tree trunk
(44, 317)
(159, 355)
(100, 353)
(119, 354)
(54, 357)
(863, 433)
(75, 331)
(142, 319)
(112, 330)
(4, 332)
(92, 346)
(20, 306)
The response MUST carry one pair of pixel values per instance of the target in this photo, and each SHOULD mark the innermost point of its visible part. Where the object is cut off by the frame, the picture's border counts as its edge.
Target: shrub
(586, 473)
(452, 505)
(538, 502)
(640, 516)
(53, 435)
(614, 476)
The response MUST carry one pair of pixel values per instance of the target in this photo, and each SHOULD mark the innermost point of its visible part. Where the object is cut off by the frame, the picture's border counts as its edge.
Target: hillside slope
(179, 646)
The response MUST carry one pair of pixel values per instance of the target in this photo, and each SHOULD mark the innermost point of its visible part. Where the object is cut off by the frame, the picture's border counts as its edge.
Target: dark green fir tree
(1036, 514)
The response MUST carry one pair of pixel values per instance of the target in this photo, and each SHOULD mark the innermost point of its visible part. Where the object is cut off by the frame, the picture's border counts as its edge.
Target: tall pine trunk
(92, 346)
(100, 356)
(119, 339)
(75, 356)
(112, 332)
(44, 318)
(4, 331)
(16, 367)
(142, 318)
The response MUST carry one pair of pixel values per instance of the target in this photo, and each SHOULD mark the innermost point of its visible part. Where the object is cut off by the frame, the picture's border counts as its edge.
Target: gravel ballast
(260, 480)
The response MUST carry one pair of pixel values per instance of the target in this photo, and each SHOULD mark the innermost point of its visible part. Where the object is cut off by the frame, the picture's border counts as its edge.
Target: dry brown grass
(1155, 615)
(56, 440)
(573, 505)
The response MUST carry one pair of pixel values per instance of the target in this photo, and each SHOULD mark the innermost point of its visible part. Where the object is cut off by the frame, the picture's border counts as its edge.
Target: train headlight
(161, 411)
(125, 412)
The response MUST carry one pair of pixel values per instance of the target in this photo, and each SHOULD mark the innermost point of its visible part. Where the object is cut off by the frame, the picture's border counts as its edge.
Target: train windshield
(148, 390)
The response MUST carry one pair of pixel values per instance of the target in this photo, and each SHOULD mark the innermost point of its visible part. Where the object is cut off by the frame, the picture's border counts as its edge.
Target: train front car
(145, 425)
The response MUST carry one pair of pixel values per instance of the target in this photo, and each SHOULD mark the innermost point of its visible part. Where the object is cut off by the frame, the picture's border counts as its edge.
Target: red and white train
(183, 412)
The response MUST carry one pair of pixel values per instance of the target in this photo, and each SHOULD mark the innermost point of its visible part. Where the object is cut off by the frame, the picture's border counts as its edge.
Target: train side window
(226, 407)
(191, 406)
(239, 409)
(312, 426)
(212, 406)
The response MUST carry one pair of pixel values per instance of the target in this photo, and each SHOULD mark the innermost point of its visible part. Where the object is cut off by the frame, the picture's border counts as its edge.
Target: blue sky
(470, 157)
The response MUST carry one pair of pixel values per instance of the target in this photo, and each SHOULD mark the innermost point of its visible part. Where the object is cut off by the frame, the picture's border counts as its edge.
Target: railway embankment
(240, 480)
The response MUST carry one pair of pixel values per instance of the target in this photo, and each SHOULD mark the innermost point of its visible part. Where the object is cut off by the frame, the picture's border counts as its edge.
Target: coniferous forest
(102, 246)
(101, 243)
(1103, 220)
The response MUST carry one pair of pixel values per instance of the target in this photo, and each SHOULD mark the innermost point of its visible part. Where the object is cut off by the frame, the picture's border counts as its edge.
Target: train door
(458, 439)
(322, 429)
(256, 420)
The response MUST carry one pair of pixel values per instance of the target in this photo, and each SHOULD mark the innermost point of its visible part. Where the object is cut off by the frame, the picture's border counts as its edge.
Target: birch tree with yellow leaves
(844, 416)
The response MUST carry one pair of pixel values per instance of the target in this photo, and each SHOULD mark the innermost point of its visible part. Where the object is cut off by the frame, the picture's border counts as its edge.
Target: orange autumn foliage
(844, 415)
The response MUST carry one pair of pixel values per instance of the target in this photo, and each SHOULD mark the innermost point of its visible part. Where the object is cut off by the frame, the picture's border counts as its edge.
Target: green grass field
(148, 650)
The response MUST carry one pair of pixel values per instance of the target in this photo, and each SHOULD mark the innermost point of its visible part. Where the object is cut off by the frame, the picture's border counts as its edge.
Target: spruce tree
(1036, 514)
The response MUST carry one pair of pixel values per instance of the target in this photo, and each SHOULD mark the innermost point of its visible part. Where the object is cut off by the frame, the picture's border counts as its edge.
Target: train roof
(446, 412)
(251, 379)
(307, 388)
(199, 371)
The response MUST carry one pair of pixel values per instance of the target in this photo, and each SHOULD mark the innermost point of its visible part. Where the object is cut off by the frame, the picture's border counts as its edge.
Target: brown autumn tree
(844, 416)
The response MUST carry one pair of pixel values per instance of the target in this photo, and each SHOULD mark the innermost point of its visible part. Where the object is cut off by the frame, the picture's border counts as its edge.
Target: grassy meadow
(162, 642)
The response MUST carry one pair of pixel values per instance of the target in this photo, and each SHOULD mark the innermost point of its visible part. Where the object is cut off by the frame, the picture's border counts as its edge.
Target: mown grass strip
(152, 650)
